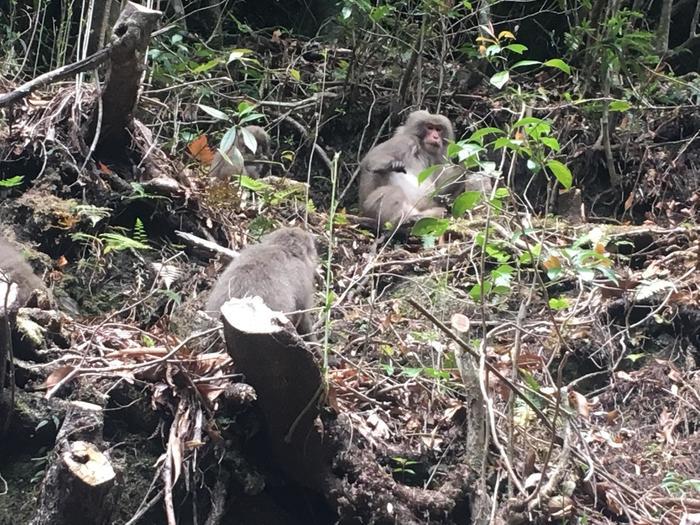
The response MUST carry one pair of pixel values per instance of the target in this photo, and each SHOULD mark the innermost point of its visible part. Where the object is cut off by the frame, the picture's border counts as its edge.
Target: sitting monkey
(242, 160)
(280, 270)
(389, 188)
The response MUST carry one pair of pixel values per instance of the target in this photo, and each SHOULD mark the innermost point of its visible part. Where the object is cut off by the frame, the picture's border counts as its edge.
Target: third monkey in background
(244, 160)
(389, 188)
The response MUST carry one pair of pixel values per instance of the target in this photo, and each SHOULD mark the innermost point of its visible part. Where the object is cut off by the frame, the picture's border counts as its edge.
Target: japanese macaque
(242, 159)
(16, 276)
(389, 187)
(280, 270)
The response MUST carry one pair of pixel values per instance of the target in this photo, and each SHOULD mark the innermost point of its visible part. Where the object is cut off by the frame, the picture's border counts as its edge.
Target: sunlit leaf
(516, 48)
(294, 73)
(500, 79)
(238, 54)
(219, 115)
(11, 182)
(525, 63)
(506, 34)
(249, 140)
(561, 172)
(559, 64)
(480, 133)
(558, 303)
(619, 105)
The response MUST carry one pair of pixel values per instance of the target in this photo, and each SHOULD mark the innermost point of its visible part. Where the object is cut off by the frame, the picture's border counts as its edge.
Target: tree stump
(286, 376)
(130, 38)
(80, 485)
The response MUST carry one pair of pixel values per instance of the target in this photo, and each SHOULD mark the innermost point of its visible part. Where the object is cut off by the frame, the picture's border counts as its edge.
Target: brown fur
(280, 270)
(221, 169)
(389, 191)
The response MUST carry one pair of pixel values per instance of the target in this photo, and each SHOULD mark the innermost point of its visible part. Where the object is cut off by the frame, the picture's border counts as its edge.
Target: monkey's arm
(390, 156)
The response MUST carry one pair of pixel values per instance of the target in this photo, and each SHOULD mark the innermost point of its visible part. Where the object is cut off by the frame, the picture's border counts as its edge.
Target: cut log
(80, 485)
(286, 376)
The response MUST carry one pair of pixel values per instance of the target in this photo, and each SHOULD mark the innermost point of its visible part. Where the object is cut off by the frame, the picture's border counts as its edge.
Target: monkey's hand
(397, 165)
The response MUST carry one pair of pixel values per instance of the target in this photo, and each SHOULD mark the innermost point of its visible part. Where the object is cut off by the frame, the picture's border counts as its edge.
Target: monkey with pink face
(389, 188)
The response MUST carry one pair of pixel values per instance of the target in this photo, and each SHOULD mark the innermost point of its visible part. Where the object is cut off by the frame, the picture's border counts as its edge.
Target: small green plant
(402, 466)
(677, 485)
(245, 114)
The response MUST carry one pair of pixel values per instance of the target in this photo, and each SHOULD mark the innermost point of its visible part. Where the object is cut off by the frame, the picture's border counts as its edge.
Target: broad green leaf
(220, 115)
(551, 143)
(468, 5)
(250, 117)
(529, 121)
(525, 63)
(561, 172)
(499, 79)
(229, 138)
(430, 226)
(294, 73)
(481, 290)
(559, 64)
(619, 105)
(249, 140)
(202, 68)
(238, 54)
(493, 50)
(480, 133)
(427, 172)
(411, 372)
(468, 150)
(346, 13)
(516, 48)
(465, 202)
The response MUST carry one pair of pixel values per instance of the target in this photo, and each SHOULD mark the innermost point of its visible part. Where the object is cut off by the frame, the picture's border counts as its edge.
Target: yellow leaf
(506, 34)
(294, 73)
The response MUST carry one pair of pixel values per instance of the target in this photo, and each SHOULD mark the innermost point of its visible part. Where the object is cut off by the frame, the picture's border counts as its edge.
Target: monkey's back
(18, 270)
(284, 281)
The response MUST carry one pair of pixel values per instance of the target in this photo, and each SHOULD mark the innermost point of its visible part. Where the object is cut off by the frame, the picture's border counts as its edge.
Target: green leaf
(411, 372)
(294, 73)
(468, 150)
(499, 79)
(480, 133)
(249, 140)
(229, 138)
(12, 181)
(346, 12)
(253, 184)
(529, 121)
(558, 303)
(427, 172)
(516, 48)
(481, 290)
(526, 63)
(551, 143)
(561, 172)
(238, 54)
(219, 115)
(559, 64)
(502, 193)
(379, 12)
(430, 226)
(619, 105)
(202, 68)
(465, 202)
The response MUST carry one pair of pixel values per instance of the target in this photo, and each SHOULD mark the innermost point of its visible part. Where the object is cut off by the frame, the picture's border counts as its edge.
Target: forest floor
(600, 336)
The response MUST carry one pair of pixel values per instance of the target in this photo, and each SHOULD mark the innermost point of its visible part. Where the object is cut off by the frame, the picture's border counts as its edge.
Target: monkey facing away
(242, 159)
(15, 270)
(280, 270)
(389, 187)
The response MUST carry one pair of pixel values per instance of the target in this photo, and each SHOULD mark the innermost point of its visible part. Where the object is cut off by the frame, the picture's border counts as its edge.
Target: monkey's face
(433, 137)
